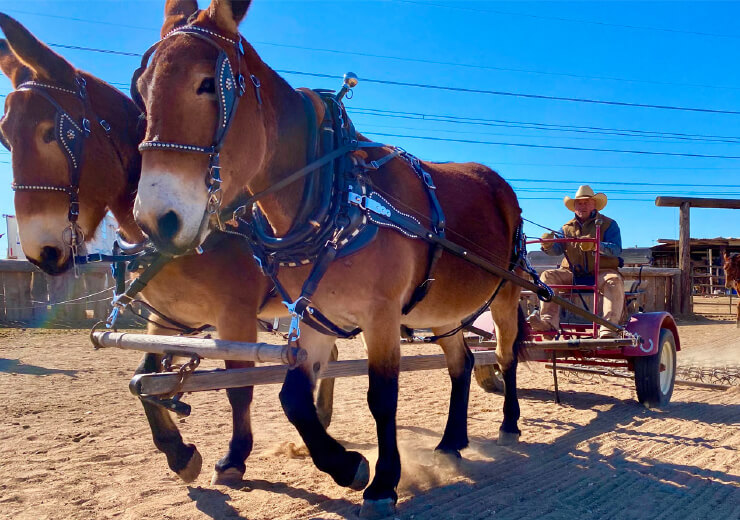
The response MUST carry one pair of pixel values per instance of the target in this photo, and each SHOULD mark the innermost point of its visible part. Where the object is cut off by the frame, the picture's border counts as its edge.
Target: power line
(640, 192)
(467, 90)
(91, 49)
(572, 20)
(397, 58)
(621, 167)
(626, 183)
(555, 147)
(489, 67)
(520, 94)
(529, 124)
(642, 139)
(94, 22)
(560, 199)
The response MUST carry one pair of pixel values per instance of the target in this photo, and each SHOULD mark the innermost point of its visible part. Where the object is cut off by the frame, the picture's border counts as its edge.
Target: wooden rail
(159, 384)
(201, 347)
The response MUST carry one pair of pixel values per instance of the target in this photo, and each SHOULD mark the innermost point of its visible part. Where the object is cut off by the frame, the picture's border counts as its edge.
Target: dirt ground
(74, 444)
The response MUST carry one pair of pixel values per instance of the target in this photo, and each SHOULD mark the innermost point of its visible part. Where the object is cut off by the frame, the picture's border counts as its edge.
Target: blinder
(69, 136)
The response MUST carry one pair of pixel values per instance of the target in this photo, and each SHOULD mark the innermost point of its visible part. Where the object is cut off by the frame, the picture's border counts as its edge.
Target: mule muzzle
(52, 261)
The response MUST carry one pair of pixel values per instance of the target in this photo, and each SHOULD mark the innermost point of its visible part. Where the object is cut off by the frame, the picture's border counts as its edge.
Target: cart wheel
(655, 375)
(489, 378)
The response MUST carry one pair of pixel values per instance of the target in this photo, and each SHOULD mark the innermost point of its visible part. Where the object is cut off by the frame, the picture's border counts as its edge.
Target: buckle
(74, 208)
(428, 180)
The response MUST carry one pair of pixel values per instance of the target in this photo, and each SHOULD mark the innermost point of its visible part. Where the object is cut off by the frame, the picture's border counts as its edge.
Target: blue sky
(658, 53)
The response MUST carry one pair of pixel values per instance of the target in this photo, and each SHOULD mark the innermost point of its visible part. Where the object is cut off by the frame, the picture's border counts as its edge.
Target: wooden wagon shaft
(597, 372)
(199, 381)
(205, 348)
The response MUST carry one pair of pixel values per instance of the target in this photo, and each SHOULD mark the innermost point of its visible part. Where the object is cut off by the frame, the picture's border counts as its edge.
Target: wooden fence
(28, 297)
(659, 289)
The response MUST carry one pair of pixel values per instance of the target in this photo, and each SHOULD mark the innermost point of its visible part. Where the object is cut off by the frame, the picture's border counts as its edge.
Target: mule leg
(325, 395)
(460, 366)
(182, 458)
(231, 467)
(510, 332)
(384, 356)
(347, 468)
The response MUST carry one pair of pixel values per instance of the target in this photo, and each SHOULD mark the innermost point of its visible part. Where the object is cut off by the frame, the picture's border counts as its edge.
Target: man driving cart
(577, 267)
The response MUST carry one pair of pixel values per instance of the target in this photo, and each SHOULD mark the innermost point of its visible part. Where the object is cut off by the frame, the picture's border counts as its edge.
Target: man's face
(584, 207)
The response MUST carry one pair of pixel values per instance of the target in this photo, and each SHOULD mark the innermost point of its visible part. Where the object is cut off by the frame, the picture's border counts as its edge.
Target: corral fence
(31, 298)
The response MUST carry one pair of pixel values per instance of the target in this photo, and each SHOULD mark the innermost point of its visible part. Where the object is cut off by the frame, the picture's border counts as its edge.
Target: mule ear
(176, 14)
(44, 62)
(12, 66)
(228, 14)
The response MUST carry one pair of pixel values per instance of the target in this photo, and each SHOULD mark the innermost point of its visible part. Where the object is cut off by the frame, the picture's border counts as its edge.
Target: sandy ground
(74, 444)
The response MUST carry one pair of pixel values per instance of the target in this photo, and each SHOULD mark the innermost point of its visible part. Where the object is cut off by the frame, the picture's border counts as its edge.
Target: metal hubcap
(666, 367)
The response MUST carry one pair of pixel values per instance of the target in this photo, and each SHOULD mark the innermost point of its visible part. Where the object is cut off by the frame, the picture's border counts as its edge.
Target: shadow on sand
(15, 366)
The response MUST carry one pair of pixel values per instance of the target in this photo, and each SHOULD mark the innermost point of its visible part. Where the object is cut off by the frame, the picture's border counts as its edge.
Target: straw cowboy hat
(585, 192)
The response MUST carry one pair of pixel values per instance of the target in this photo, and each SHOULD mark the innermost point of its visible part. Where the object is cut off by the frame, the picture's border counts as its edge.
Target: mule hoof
(380, 508)
(507, 438)
(227, 477)
(448, 458)
(191, 471)
(362, 476)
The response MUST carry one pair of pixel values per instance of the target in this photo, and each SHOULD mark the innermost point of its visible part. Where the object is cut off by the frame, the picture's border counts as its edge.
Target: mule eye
(48, 135)
(207, 86)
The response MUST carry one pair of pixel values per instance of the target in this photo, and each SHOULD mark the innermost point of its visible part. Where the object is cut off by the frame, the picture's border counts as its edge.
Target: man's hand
(587, 246)
(546, 246)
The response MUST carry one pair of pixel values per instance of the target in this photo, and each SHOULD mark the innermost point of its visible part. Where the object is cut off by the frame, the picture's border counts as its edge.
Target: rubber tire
(489, 378)
(647, 373)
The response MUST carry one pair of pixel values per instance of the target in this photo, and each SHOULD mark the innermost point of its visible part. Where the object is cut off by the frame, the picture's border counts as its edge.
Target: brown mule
(265, 143)
(732, 276)
(222, 287)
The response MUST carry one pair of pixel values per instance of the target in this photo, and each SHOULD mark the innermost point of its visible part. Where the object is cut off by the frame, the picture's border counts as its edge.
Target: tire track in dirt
(584, 494)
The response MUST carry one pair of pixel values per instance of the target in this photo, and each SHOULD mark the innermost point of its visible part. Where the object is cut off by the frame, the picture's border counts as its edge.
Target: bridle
(70, 136)
(229, 88)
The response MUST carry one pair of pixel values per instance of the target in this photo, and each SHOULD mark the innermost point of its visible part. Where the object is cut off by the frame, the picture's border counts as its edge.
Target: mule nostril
(168, 225)
(50, 256)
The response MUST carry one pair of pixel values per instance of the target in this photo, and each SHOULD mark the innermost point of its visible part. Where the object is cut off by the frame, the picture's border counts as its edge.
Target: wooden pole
(158, 384)
(695, 202)
(684, 258)
(205, 348)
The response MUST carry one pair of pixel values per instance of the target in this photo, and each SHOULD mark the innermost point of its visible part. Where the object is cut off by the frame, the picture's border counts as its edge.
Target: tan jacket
(584, 260)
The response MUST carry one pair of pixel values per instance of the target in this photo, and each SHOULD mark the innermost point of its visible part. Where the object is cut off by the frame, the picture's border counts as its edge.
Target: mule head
(30, 128)
(181, 90)
(732, 270)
